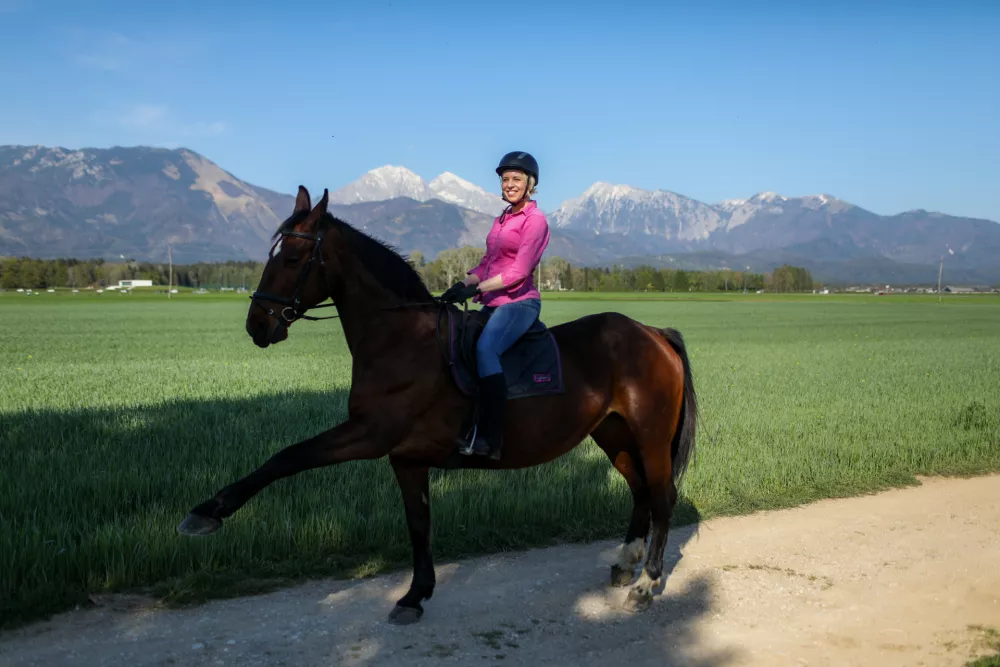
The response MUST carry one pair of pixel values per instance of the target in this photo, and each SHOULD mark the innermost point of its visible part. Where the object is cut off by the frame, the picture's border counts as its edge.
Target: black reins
(294, 305)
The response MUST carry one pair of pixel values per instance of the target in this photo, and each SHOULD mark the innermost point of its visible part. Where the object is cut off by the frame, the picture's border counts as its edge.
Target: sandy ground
(899, 578)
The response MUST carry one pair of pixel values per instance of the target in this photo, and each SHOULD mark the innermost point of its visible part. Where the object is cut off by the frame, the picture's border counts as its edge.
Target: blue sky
(889, 105)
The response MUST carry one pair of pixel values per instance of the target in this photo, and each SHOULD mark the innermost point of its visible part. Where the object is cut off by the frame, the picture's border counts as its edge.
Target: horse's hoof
(620, 576)
(196, 525)
(637, 601)
(405, 615)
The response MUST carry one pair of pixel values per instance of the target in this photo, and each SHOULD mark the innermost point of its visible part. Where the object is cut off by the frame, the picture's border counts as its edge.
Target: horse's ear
(322, 203)
(302, 202)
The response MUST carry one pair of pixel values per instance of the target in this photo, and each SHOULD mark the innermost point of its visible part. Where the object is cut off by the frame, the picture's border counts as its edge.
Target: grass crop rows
(118, 414)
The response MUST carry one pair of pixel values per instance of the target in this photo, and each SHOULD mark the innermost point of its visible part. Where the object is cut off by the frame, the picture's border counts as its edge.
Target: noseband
(293, 307)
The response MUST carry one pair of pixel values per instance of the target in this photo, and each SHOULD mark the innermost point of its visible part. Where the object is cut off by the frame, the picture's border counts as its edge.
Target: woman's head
(518, 173)
(516, 184)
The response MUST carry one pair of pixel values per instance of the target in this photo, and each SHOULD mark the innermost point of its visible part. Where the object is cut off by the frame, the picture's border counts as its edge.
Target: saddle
(532, 365)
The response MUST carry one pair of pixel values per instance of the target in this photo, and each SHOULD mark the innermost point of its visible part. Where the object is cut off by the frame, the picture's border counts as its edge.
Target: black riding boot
(492, 409)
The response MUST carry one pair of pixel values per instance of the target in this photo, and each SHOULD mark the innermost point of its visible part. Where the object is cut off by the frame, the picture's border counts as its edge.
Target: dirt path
(892, 579)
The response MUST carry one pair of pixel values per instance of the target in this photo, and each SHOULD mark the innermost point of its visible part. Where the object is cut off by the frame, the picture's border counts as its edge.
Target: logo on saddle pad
(542, 377)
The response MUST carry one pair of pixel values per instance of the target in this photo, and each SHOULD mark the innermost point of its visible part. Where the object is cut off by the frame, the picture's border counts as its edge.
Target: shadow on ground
(541, 606)
(92, 497)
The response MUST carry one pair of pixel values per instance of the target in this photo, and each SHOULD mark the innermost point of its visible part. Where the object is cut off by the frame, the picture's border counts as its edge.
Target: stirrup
(470, 441)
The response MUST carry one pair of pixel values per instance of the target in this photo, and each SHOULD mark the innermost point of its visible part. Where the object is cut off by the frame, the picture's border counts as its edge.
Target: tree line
(556, 273)
(24, 272)
(449, 266)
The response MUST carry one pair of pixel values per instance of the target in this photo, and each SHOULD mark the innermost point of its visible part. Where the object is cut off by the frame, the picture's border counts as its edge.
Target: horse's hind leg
(654, 443)
(615, 438)
(663, 498)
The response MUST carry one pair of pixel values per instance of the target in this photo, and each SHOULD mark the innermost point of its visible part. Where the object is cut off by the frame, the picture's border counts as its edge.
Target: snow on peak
(385, 182)
(621, 209)
(768, 197)
(449, 179)
(603, 193)
(391, 181)
(391, 175)
(732, 204)
(393, 171)
(456, 190)
(602, 190)
(739, 211)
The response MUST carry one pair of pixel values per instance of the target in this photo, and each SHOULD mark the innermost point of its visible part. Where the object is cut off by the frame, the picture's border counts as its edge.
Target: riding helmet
(521, 161)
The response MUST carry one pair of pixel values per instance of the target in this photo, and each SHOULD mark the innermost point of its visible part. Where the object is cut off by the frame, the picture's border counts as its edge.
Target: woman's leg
(505, 326)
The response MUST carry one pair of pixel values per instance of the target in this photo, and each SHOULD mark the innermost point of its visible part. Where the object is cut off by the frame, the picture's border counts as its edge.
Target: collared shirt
(514, 247)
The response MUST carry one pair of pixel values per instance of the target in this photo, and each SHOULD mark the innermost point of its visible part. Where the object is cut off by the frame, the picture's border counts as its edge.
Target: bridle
(293, 304)
(291, 311)
(293, 307)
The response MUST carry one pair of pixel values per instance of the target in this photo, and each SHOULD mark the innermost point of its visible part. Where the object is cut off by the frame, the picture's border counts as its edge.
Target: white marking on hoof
(645, 584)
(631, 554)
(640, 596)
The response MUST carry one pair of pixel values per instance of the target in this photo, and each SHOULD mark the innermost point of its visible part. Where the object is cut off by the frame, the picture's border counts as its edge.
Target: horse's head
(294, 278)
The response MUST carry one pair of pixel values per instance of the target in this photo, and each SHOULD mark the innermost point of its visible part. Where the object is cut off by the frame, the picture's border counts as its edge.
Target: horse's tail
(682, 447)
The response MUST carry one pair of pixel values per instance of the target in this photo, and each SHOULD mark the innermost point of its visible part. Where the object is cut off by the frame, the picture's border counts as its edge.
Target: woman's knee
(484, 344)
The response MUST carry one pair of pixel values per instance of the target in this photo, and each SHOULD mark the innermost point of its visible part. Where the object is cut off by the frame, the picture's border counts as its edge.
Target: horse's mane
(385, 263)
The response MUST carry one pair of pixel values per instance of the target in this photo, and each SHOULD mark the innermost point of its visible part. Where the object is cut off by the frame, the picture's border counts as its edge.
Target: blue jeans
(506, 324)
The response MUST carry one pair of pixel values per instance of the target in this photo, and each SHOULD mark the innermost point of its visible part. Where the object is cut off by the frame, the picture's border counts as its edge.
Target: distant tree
(10, 274)
(554, 273)
(417, 260)
(644, 278)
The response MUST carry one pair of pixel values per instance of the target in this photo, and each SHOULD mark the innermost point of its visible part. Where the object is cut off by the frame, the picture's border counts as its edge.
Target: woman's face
(513, 184)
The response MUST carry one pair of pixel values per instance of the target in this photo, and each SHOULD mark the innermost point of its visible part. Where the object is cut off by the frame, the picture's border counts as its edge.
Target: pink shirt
(514, 247)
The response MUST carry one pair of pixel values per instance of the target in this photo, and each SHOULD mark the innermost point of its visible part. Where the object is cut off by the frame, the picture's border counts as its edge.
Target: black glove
(459, 292)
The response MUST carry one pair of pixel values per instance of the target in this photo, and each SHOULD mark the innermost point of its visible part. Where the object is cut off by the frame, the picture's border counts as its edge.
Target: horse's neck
(360, 300)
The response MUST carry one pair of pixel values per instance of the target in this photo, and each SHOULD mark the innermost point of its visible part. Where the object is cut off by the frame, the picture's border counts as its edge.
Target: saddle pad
(532, 366)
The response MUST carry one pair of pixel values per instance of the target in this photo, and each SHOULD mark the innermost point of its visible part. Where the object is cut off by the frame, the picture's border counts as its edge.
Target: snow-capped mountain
(622, 209)
(390, 182)
(132, 201)
(455, 190)
(739, 211)
(383, 183)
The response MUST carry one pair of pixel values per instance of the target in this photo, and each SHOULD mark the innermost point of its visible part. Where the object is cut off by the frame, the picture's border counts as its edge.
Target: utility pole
(170, 259)
(940, 270)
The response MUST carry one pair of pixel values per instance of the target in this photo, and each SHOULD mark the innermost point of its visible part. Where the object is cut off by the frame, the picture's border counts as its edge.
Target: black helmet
(518, 160)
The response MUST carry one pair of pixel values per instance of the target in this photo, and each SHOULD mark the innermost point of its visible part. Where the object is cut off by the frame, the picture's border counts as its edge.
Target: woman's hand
(459, 292)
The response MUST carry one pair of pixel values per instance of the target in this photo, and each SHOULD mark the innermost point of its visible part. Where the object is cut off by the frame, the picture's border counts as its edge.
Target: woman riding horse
(628, 385)
(503, 283)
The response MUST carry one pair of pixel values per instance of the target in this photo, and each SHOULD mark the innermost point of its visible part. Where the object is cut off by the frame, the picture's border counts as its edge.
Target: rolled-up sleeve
(534, 239)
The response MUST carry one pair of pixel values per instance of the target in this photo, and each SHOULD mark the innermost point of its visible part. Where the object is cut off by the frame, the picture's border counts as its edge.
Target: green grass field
(119, 413)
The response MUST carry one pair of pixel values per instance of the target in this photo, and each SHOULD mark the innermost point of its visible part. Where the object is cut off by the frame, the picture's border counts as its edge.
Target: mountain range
(133, 201)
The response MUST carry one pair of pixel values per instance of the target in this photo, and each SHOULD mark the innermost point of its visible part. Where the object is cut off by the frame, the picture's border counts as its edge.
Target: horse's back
(611, 331)
(608, 348)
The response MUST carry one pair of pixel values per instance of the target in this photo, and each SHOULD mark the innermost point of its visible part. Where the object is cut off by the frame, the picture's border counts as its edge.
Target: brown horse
(627, 385)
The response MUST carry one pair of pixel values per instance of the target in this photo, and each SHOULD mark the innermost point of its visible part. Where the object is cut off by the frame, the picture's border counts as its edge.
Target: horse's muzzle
(267, 332)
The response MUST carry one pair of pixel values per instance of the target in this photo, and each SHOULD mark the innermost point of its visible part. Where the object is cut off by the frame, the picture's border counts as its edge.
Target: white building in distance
(129, 284)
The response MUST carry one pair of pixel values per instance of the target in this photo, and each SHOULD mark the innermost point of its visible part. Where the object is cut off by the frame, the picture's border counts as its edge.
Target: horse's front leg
(414, 486)
(349, 441)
